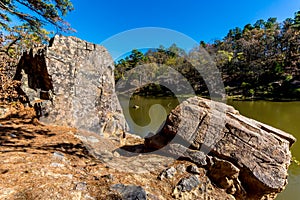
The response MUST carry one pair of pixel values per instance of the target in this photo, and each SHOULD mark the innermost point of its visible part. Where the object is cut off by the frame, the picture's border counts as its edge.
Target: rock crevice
(71, 82)
(259, 153)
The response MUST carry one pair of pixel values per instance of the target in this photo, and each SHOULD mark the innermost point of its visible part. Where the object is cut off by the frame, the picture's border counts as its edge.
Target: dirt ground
(49, 162)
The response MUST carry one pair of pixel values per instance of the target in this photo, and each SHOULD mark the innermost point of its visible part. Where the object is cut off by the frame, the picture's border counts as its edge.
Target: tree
(259, 24)
(247, 27)
(287, 23)
(296, 24)
(270, 22)
(22, 26)
(129, 62)
(51, 12)
(30, 18)
(261, 59)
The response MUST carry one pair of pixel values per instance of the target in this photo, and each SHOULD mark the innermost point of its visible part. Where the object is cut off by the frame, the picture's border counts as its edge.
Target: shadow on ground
(21, 136)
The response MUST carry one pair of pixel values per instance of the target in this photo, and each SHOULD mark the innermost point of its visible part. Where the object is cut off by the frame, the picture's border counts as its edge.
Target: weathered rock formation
(247, 158)
(71, 82)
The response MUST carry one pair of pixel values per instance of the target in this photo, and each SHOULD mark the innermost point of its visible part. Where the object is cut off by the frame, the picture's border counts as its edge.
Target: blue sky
(96, 21)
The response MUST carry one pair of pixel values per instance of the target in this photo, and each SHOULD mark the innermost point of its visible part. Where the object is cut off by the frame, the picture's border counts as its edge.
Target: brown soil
(48, 162)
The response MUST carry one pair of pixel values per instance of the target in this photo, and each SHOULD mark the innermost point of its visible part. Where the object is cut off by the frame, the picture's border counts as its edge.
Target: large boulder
(71, 82)
(247, 158)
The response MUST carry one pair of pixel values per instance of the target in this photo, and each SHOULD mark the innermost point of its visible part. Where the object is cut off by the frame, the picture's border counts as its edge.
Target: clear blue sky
(208, 20)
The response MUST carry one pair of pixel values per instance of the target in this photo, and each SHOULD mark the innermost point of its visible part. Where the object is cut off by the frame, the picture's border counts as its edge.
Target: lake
(146, 115)
(285, 116)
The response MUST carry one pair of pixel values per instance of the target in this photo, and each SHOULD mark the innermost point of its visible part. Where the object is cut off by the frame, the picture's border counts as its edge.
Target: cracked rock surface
(247, 158)
(71, 83)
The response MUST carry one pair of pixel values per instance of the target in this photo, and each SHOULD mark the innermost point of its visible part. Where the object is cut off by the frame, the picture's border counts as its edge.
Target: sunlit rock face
(71, 82)
(246, 157)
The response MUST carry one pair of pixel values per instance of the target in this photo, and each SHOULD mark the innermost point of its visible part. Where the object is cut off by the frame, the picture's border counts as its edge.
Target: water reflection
(146, 115)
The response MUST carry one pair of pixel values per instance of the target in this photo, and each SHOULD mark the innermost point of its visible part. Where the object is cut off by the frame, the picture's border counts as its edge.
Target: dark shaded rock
(193, 169)
(261, 153)
(71, 82)
(108, 176)
(129, 192)
(221, 171)
(226, 176)
(188, 184)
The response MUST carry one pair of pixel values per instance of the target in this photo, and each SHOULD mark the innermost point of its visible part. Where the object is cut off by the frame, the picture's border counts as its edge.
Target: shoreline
(233, 98)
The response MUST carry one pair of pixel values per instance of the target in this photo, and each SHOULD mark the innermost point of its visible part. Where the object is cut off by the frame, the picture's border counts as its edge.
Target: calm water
(285, 116)
(146, 115)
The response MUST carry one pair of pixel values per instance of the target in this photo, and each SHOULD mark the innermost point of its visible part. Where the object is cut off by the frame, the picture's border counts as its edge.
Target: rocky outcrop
(247, 158)
(71, 82)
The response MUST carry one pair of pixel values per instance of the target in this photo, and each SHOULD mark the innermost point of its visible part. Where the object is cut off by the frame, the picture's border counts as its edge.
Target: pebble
(188, 184)
(129, 192)
(58, 155)
(81, 186)
(116, 154)
(57, 165)
(168, 173)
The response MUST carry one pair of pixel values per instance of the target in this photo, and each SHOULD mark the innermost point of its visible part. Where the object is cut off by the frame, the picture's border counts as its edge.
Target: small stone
(188, 184)
(193, 169)
(12, 135)
(57, 165)
(129, 192)
(58, 155)
(116, 154)
(168, 173)
(81, 186)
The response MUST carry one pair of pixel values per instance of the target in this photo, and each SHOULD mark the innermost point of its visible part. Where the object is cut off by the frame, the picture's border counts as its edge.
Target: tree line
(260, 60)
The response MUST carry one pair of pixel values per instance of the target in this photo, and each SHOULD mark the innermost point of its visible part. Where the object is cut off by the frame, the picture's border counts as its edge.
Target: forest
(258, 61)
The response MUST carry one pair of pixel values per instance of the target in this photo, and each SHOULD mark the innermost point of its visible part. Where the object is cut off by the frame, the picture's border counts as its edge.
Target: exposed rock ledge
(71, 83)
(247, 158)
